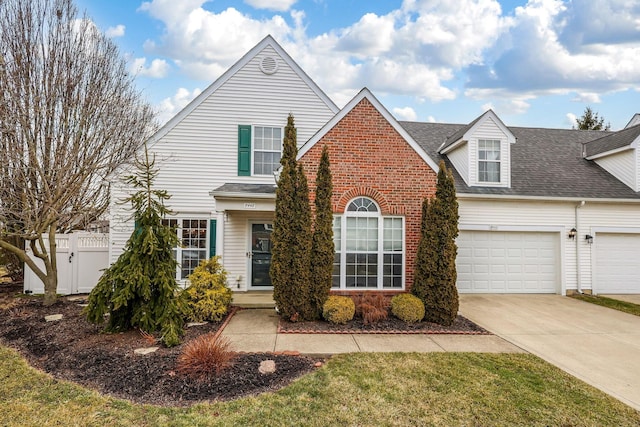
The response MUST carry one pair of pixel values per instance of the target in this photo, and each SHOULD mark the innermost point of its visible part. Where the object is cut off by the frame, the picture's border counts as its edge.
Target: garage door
(616, 267)
(508, 262)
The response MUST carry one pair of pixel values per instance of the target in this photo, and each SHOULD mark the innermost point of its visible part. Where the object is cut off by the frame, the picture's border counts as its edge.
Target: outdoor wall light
(588, 238)
(572, 233)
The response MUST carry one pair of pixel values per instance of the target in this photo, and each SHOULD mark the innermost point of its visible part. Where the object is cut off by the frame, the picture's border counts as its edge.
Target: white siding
(530, 216)
(577, 255)
(623, 166)
(236, 246)
(636, 163)
(199, 153)
(489, 129)
(459, 158)
(602, 218)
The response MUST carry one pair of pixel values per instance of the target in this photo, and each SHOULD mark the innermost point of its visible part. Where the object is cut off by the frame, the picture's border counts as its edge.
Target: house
(217, 157)
(541, 210)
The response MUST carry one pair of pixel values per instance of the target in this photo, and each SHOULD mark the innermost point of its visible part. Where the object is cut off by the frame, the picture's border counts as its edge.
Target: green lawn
(627, 307)
(440, 389)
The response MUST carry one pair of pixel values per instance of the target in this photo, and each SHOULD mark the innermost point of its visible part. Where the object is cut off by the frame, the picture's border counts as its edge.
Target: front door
(260, 254)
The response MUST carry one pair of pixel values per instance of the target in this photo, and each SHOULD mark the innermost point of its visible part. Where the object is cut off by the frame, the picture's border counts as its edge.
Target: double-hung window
(259, 149)
(369, 248)
(192, 249)
(489, 160)
(267, 149)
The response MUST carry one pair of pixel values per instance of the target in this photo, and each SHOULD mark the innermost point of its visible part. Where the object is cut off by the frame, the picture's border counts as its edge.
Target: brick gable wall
(369, 158)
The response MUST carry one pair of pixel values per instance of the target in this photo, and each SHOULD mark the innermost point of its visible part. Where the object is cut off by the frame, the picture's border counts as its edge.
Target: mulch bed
(390, 325)
(73, 349)
(76, 350)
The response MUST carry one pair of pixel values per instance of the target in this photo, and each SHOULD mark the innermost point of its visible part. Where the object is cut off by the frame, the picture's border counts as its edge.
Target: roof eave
(545, 198)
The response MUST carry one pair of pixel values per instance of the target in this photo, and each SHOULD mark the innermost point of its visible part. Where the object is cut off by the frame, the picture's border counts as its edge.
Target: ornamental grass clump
(205, 357)
(338, 309)
(208, 297)
(408, 308)
(372, 308)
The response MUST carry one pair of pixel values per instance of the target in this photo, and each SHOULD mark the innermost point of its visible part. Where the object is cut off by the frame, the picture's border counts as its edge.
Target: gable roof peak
(463, 132)
(634, 120)
(267, 41)
(366, 93)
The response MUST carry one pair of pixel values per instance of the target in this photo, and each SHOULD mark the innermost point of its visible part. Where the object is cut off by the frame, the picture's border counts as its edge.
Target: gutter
(545, 198)
(578, 269)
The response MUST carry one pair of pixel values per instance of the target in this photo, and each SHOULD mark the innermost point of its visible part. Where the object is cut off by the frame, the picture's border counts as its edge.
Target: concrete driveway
(600, 346)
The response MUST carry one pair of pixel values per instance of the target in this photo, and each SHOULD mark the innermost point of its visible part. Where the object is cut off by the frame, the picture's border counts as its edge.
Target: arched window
(369, 248)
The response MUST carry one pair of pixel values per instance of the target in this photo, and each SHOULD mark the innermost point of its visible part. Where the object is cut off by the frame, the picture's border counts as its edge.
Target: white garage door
(616, 266)
(508, 262)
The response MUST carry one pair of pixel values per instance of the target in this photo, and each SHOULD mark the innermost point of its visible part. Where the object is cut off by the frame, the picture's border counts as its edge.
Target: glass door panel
(261, 254)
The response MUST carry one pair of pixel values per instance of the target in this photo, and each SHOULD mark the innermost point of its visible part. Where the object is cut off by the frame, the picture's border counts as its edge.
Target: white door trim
(249, 247)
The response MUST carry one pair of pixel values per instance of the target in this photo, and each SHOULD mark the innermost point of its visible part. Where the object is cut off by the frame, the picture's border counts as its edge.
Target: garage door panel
(508, 262)
(616, 269)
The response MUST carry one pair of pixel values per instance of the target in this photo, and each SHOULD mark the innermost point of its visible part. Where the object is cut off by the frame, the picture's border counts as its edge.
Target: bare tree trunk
(51, 265)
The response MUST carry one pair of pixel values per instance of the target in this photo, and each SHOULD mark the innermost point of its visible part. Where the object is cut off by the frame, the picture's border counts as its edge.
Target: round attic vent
(269, 65)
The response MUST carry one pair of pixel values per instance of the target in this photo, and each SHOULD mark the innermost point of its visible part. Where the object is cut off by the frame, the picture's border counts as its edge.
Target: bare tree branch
(69, 115)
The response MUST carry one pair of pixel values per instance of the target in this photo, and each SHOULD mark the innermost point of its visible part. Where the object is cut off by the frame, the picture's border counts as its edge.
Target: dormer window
(489, 160)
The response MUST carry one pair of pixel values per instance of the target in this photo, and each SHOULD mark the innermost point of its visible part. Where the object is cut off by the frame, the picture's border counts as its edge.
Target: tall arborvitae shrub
(140, 289)
(322, 248)
(435, 273)
(291, 237)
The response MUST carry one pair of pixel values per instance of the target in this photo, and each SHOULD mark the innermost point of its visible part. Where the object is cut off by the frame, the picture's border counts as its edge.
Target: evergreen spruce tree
(140, 289)
(435, 272)
(291, 237)
(322, 247)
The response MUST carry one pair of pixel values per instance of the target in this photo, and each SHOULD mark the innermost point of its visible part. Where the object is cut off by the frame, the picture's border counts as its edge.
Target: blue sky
(536, 63)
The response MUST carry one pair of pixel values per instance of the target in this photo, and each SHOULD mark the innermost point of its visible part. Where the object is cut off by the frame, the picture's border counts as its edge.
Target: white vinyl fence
(81, 258)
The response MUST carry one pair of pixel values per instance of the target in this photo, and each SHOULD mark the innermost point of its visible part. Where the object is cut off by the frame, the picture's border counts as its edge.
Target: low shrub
(408, 308)
(208, 297)
(205, 357)
(338, 309)
(371, 308)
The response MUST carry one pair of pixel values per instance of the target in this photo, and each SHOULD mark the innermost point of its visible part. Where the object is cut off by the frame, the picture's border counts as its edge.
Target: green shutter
(244, 150)
(212, 237)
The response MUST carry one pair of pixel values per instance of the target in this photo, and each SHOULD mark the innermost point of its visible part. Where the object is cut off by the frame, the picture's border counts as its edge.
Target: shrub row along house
(541, 210)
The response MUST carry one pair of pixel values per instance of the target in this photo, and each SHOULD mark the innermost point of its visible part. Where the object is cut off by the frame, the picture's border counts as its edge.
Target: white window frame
(253, 147)
(486, 161)
(179, 249)
(342, 218)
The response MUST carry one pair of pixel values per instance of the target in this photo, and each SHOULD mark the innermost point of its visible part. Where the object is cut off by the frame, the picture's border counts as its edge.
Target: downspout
(577, 239)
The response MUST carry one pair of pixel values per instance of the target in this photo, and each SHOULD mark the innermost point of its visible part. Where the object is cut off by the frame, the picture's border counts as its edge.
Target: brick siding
(369, 158)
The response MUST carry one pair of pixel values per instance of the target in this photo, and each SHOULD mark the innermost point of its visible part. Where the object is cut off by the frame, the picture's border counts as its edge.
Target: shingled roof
(613, 141)
(544, 163)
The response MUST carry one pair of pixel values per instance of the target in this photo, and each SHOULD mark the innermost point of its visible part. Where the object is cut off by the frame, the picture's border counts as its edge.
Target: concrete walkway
(256, 330)
(599, 345)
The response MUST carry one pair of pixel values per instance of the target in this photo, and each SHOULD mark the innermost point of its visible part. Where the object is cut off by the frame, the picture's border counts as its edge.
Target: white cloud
(169, 107)
(406, 113)
(431, 119)
(584, 47)
(414, 50)
(553, 48)
(158, 68)
(571, 119)
(507, 106)
(279, 5)
(587, 98)
(117, 31)
(198, 39)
